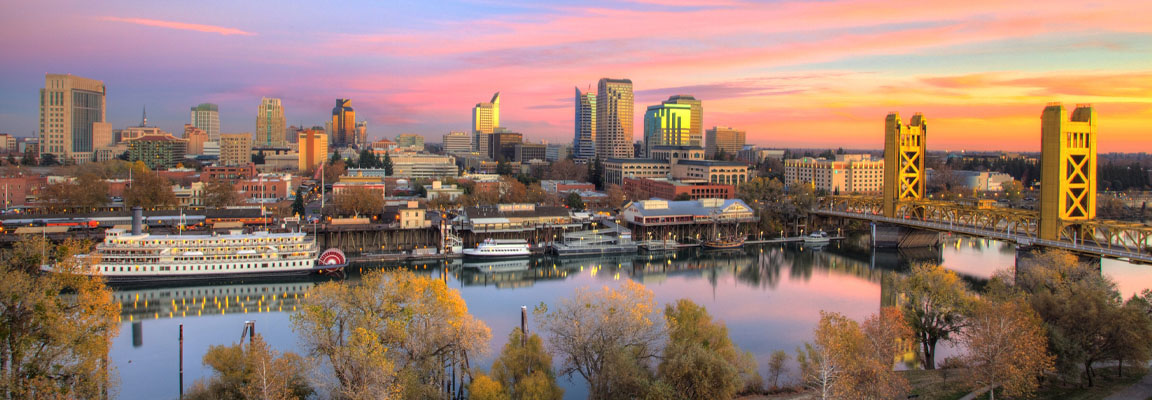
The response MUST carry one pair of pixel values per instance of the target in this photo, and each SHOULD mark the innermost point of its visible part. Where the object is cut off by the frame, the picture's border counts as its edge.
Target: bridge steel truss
(1101, 237)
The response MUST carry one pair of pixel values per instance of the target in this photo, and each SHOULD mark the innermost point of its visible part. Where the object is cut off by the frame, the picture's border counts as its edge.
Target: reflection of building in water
(189, 301)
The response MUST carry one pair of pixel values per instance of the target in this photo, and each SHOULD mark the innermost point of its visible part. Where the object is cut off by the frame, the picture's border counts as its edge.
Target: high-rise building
(196, 138)
(235, 148)
(69, 105)
(313, 147)
(270, 124)
(362, 134)
(457, 142)
(206, 116)
(726, 139)
(614, 112)
(485, 119)
(557, 152)
(696, 127)
(584, 142)
(667, 124)
(343, 123)
(410, 140)
(500, 145)
(525, 152)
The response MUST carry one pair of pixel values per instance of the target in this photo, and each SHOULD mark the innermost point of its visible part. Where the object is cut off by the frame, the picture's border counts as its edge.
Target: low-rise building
(512, 217)
(231, 174)
(408, 215)
(438, 190)
(266, 188)
(673, 189)
(157, 151)
(419, 165)
(753, 155)
(410, 140)
(191, 195)
(616, 169)
(717, 172)
(649, 213)
(848, 173)
(556, 187)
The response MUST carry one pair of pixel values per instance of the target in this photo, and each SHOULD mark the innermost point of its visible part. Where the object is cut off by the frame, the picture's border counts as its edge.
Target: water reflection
(769, 296)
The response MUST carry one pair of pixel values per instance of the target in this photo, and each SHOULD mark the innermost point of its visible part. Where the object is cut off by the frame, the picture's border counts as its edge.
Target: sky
(790, 73)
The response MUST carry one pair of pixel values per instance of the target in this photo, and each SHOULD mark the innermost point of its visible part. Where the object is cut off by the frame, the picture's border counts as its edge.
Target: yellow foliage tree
(1007, 346)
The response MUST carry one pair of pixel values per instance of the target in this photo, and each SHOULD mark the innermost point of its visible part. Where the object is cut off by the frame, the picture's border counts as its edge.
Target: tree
(535, 194)
(605, 336)
(57, 329)
(392, 334)
(253, 372)
(11, 159)
(567, 170)
(776, 366)
(386, 164)
(700, 360)
(367, 159)
(596, 173)
(1013, 191)
(483, 387)
(86, 191)
(503, 168)
(523, 371)
(616, 196)
(48, 159)
(1007, 347)
(258, 158)
(512, 191)
(29, 158)
(334, 171)
(935, 303)
(298, 202)
(334, 158)
(853, 361)
(149, 190)
(573, 201)
(219, 194)
(358, 200)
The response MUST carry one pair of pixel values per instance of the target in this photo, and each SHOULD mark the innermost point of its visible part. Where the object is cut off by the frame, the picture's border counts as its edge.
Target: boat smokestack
(137, 219)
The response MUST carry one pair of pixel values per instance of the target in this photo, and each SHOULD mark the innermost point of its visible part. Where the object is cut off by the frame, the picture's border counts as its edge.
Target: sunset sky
(791, 73)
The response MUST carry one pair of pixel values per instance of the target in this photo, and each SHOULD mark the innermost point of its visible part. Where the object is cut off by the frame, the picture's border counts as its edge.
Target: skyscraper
(361, 134)
(69, 105)
(313, 147)
(584, 142)
(485, 118)
(206, 116)
(696, 127)
(667, 124)
(270, 124)
(724, 139)
(343, 123)
(614, 111)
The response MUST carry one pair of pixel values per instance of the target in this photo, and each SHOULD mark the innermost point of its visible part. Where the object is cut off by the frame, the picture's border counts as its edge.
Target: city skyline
(820, 75)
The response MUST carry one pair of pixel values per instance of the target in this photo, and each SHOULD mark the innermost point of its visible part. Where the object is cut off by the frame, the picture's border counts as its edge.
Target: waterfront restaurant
(685, 219)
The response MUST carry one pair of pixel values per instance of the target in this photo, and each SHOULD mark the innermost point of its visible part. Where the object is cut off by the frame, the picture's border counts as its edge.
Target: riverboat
(499, 248)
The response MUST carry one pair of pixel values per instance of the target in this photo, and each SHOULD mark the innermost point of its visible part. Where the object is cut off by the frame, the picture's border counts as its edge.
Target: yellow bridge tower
(1068, 163)
(903, 160)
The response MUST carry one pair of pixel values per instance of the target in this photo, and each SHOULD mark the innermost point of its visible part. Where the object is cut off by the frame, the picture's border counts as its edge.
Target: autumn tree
(616, 196)
(57, 329)
(358, 200)
(934, 305)
(85, 191)
(567, 170)
(253, 372)
(849, 360)
(535, 194)
(219, 194)
(1007, 347)
(607, 337)
(776, 367)
(512, 191)
(149, 190)
(394, 333)
(523, 371)
(700, 361)
(483, 387)
(333, 171)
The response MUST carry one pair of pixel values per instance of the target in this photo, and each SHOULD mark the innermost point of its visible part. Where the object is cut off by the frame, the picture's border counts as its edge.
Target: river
(769, 296)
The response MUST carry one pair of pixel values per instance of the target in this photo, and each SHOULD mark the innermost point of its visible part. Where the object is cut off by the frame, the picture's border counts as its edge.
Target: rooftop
(636, 161)
(713, 163)
(688, 207)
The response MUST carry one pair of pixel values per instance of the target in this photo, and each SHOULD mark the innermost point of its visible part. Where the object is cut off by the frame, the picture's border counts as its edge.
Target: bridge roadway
(1143, 257)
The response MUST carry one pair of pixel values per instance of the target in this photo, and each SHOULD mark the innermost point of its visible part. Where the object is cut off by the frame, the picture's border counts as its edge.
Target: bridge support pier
(893, 236)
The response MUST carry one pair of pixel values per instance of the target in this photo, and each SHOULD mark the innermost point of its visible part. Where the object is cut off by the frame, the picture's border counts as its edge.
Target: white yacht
(499, 248)
(819, 237)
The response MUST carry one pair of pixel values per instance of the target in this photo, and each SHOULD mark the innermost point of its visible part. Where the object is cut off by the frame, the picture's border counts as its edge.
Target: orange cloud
(180, 26)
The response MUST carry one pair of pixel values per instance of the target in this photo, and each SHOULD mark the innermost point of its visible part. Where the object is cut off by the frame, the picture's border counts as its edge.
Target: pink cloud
(180, 26)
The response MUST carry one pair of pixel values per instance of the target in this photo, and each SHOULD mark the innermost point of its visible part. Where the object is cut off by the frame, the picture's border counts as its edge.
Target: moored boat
(499, 248)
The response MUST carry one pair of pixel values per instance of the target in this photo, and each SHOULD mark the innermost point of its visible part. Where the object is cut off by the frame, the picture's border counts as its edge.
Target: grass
(931, 385)
(1106, 383)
